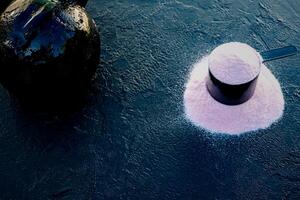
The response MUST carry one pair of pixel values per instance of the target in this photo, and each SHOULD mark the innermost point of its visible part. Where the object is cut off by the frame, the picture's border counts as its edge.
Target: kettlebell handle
(78, 2)
(82, 2)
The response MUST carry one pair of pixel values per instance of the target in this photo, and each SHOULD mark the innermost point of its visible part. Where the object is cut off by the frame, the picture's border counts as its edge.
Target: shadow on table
(44, 151)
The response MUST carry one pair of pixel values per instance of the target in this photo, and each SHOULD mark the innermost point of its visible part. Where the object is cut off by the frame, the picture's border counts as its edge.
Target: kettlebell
(49, 49)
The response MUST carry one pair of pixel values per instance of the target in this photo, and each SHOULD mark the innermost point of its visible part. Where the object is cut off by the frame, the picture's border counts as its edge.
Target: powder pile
(262, 110)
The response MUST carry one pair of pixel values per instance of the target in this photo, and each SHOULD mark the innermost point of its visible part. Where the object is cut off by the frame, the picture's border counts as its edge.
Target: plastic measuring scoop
(275, 54)
(237, 94)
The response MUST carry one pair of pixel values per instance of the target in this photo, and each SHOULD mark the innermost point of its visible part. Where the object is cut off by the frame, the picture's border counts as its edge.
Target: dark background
(132, 141)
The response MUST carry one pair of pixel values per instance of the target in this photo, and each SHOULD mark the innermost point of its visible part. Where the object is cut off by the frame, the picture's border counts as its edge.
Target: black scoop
(237, 94)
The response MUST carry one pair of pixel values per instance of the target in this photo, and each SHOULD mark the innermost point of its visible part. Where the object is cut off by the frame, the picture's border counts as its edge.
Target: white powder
(234, 63)
(263, 109)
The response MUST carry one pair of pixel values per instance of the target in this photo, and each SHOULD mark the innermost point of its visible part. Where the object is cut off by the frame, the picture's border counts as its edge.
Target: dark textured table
(132, 141)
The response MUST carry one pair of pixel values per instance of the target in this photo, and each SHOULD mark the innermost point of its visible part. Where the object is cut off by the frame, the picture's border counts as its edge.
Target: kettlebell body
(48, 48)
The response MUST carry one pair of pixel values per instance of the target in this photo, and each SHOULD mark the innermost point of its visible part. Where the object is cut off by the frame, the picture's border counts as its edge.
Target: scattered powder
(263, 109)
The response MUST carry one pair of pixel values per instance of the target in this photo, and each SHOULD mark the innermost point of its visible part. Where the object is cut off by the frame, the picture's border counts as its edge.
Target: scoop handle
(275, 54)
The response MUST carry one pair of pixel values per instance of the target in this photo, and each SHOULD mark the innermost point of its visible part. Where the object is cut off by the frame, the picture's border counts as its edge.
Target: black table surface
(131, 140)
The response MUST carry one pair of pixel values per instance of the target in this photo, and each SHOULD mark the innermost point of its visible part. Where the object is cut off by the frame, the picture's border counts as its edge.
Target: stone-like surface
(132, 140)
